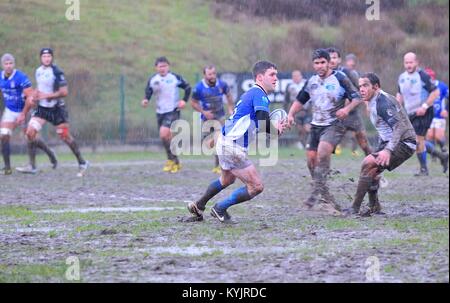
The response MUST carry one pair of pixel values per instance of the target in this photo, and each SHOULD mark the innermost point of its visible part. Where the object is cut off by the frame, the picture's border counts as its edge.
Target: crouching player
(397, 141)
(232, 146)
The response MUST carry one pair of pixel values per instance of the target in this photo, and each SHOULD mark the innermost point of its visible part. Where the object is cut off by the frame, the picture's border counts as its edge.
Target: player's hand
(290, 120)
(208, 115)
(384, 158)
(20, 119)
(421, 112)
(40, 95)
(181, 104)
(342, 113)
(444, 114)
(282, 126)
(144, 103)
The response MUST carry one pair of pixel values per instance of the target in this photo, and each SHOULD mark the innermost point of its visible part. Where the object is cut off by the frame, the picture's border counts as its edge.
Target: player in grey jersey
(397, 141)
(165, 85)
(327, 92)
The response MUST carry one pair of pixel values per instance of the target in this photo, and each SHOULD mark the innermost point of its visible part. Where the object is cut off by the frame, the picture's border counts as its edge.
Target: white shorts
(231, 155)
(9, 116)
(438, 123)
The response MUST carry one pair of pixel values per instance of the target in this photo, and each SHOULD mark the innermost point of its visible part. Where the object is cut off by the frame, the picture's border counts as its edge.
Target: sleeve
(148, 89)
(260, 102)
(350, 90)
(196, 93)
(183, 84)
(428, 83)
(25, 82)
(60, 80)
(353, 76)
(390, 114)
(287, 94)
(225, 87)
(303, 96)
(262, 115)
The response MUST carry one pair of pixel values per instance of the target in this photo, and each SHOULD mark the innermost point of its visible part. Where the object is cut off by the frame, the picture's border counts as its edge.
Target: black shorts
(332, 134)
(354, 122)
(55, 115)
(422, 124)
(167, 119)
(399, 155)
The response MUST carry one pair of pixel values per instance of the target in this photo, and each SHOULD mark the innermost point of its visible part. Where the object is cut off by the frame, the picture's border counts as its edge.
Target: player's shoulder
(20, 74)
(385, 100)
(340, 75)
(402, 75)
(177, 76)
(57, 70)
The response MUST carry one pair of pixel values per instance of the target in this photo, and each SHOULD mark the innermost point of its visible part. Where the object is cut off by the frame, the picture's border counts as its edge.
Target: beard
(212, 82)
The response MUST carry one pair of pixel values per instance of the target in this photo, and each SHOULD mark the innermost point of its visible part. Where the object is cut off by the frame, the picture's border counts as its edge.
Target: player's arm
(148, 94)
(301, 99)
(196, 106)
(184, 85)
(287, 98)
(29, 93)
(263, 118)
(230, 102)
(433, 91)
(61, 90)
(351, 94)
(399, 96)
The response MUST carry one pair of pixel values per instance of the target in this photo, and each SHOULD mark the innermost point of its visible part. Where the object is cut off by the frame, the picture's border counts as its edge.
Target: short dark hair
(261, 67)
(161, 60)
(373, 78)
(209, 66)
(321, 53)
(334, 50)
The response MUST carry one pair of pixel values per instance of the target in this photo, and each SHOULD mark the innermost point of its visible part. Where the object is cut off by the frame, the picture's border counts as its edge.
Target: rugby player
(164, 85)
(436, 132)
(397, 141)
(327, 90)
(207, 99)
(304, 117)
(14, 86)
(233, 142)
(417, 92)
(354, 122)
(48, 97)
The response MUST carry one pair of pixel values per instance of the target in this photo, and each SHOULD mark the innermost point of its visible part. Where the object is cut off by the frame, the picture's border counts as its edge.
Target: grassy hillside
(114, 37)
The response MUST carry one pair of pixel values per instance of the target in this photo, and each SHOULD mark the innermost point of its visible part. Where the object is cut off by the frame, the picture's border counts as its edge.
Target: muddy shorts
(422, 124)
(231, 155)
(439, 123)
(354, 122)
(56, 115)
(167, 119)
(402, 152)
(332, 134)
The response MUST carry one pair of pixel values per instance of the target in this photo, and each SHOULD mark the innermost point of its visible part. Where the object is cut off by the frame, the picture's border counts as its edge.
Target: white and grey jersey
(166, 91)
(50, 79)
(391, 121)
(415, 89)
(327, 96)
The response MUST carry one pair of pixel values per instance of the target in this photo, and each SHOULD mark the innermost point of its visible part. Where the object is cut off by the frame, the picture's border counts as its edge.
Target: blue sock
(422, 159)
(429, 147)
(238, 196)
(213, 189)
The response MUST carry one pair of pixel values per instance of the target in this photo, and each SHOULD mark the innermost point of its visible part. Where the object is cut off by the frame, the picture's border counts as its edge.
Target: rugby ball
(278, 115)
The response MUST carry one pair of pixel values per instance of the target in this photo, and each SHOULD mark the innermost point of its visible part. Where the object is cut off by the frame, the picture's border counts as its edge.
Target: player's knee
(5, 132)
(63, 133)
(257, 188)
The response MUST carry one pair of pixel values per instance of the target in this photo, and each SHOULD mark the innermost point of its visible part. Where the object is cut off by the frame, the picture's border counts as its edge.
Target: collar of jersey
(256, 85)
(10, 77)
(206, 84)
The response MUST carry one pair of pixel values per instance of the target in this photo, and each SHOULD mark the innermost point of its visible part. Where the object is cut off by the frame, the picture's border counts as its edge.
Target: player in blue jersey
(232, 145)
(327, 91)
(207, 99)
(165, 86)
(417, 92)
(15, 87)
(436, 133)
